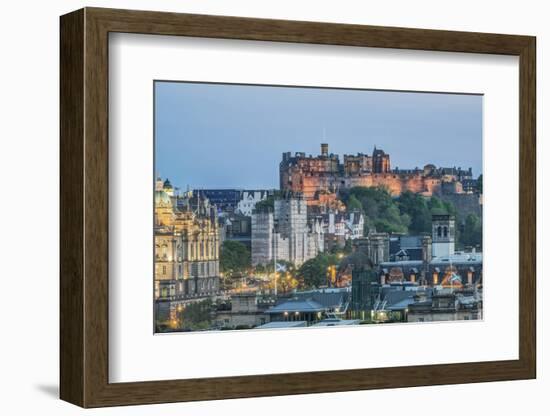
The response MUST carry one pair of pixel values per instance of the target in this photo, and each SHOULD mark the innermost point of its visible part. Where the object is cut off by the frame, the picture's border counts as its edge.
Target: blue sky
(232, 136)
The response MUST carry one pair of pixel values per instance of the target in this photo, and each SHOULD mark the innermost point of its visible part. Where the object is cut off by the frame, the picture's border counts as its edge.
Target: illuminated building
(318, 176)
(187, 245)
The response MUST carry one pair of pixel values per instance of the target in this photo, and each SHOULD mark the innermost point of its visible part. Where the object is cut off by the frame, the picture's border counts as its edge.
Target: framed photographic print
(255, 207)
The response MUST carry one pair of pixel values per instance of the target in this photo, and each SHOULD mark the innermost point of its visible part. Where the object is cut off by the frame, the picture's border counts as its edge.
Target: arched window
(439, 231)
(445, 232)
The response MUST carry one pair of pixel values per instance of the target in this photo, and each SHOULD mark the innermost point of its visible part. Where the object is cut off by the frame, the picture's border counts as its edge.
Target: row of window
(162, 251)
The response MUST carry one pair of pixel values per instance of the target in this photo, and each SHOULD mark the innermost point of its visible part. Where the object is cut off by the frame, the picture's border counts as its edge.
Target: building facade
(317, 176)
(433, 260)
(286, 233)
(443, 235)
(187, 247)
(446, 305)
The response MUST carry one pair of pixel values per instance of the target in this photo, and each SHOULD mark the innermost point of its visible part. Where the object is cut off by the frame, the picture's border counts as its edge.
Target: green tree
(354, 204)
(234, 257)
(266, 205)
(435, 205)
(416, 207)
(379, 208)
(438, 206)
(348, 247)
(197, 315)
(473, 231)
(313, 273)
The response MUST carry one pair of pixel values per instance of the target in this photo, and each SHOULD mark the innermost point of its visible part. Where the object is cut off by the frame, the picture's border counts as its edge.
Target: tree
(313, 273)
(197, 315)
(354, 204)
(266, 205)
(435, 205)
(438, 206)
(473, 231)
(416, 207)
(234, 257)
(379, 208)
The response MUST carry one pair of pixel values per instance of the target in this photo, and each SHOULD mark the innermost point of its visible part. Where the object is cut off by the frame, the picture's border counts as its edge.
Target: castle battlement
(325, 174)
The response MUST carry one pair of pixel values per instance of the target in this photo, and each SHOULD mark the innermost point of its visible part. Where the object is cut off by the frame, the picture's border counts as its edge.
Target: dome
(167, 184)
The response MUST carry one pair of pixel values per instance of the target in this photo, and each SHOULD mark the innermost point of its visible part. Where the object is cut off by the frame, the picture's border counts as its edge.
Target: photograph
(281, 207)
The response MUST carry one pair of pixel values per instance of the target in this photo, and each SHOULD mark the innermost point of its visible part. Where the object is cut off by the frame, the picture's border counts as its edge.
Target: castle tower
(443, 235)
(380, 161)
(324, 149)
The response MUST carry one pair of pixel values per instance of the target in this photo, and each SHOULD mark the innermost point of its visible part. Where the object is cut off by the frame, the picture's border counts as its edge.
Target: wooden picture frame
(84, 207)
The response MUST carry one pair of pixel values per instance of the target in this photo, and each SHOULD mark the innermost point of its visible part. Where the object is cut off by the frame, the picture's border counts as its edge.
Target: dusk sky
(233, 136)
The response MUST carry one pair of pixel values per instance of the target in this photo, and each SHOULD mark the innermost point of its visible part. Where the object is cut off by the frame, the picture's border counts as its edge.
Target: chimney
(324, 149)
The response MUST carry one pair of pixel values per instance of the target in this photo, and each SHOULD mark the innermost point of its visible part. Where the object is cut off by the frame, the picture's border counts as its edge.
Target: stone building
(438, 263)
(443, 235)
(348, 225)
(376, 247)
(187, 246)
(286, 233)
(446, 305)
(458, 270)
(316, 176)
(246, 311)
(262, 230)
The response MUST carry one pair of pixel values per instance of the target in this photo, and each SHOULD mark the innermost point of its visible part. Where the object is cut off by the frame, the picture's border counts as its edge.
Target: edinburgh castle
(319, 178)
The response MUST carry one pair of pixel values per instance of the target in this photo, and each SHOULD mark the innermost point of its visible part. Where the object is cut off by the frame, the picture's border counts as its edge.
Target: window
(445, 231)
(439, 231)
(163, 269)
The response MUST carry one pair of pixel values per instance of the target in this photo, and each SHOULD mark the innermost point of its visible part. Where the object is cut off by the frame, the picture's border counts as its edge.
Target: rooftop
(296, 305)
(283, 324)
